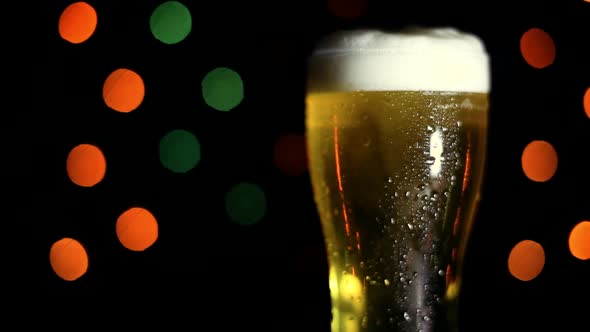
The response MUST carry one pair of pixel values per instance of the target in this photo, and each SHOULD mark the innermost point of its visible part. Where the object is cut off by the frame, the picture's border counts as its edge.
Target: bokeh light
(180, 151)
(123, 90)
(222, 89)
(68, 259)
(537, 48)
(526, 260)
(587, 102)
(86, 165)
(347, 9)
(137, 229)
(290, 154)
(171, 22)
(539, 161)
(579, 240)
(77, 22)
(245, 203)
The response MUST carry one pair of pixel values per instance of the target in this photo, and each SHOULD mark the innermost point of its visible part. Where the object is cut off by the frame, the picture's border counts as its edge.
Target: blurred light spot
(137, 229)
(123, 90)
(68, 259)
(86, 165)
(587, 101)
(290, 155)
(539, 161)
(526, 260)
(579, 241)
(171, 22)
(180, 151)
(223, 89)
(537, 48)
(347, 9)
(77, 22)
(245, 203)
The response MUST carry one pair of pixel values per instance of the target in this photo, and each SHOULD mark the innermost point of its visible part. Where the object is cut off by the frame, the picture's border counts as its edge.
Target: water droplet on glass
(406, 316)
(430, 128)
(389, 179)
(402, 279)
(392, 221)
(426, 318)
(459, 123)
(410, 226)
(441, 272)
(408, 194)
(386, 282)
(430, 160)
(365, 322)
(367, 278)
(453, 178)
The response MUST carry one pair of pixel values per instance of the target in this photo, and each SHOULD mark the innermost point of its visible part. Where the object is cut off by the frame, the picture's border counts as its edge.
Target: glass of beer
(396, 130)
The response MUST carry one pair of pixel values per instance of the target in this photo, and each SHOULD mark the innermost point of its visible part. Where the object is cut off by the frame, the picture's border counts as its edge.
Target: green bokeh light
(171, 22)
(180, 151)
(223, 89)
(245, 203)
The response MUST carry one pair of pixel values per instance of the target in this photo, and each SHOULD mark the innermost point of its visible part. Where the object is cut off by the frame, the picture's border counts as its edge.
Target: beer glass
(396, 126)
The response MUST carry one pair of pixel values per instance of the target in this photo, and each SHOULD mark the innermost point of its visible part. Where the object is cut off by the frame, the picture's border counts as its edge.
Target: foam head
(420, 59)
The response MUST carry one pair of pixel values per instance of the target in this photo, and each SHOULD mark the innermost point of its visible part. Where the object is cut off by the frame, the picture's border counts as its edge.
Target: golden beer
(396, 168)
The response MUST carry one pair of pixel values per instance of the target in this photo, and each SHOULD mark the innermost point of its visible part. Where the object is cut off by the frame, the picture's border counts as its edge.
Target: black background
(204, 269)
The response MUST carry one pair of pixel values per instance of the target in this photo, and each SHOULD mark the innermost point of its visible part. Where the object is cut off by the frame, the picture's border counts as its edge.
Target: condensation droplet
(406, 316)
(386, 282)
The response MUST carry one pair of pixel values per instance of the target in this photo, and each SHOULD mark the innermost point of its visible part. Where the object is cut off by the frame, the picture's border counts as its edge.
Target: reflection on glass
(396, 127)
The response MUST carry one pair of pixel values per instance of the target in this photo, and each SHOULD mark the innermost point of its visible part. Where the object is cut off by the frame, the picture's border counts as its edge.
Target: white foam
(433, 59)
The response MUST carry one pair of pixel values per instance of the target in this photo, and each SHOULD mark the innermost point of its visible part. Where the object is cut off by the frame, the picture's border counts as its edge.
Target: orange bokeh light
(347, 9)
(68, 259)
(587, 101)
(137, 229)
(526, 260)
(290, 154)
(123, 90)
(579, 240)
(539, 161)
(77, 22)
(537, 48)
(86, 165)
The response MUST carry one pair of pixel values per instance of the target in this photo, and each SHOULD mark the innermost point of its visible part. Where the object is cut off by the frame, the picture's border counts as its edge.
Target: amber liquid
(396, 178)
